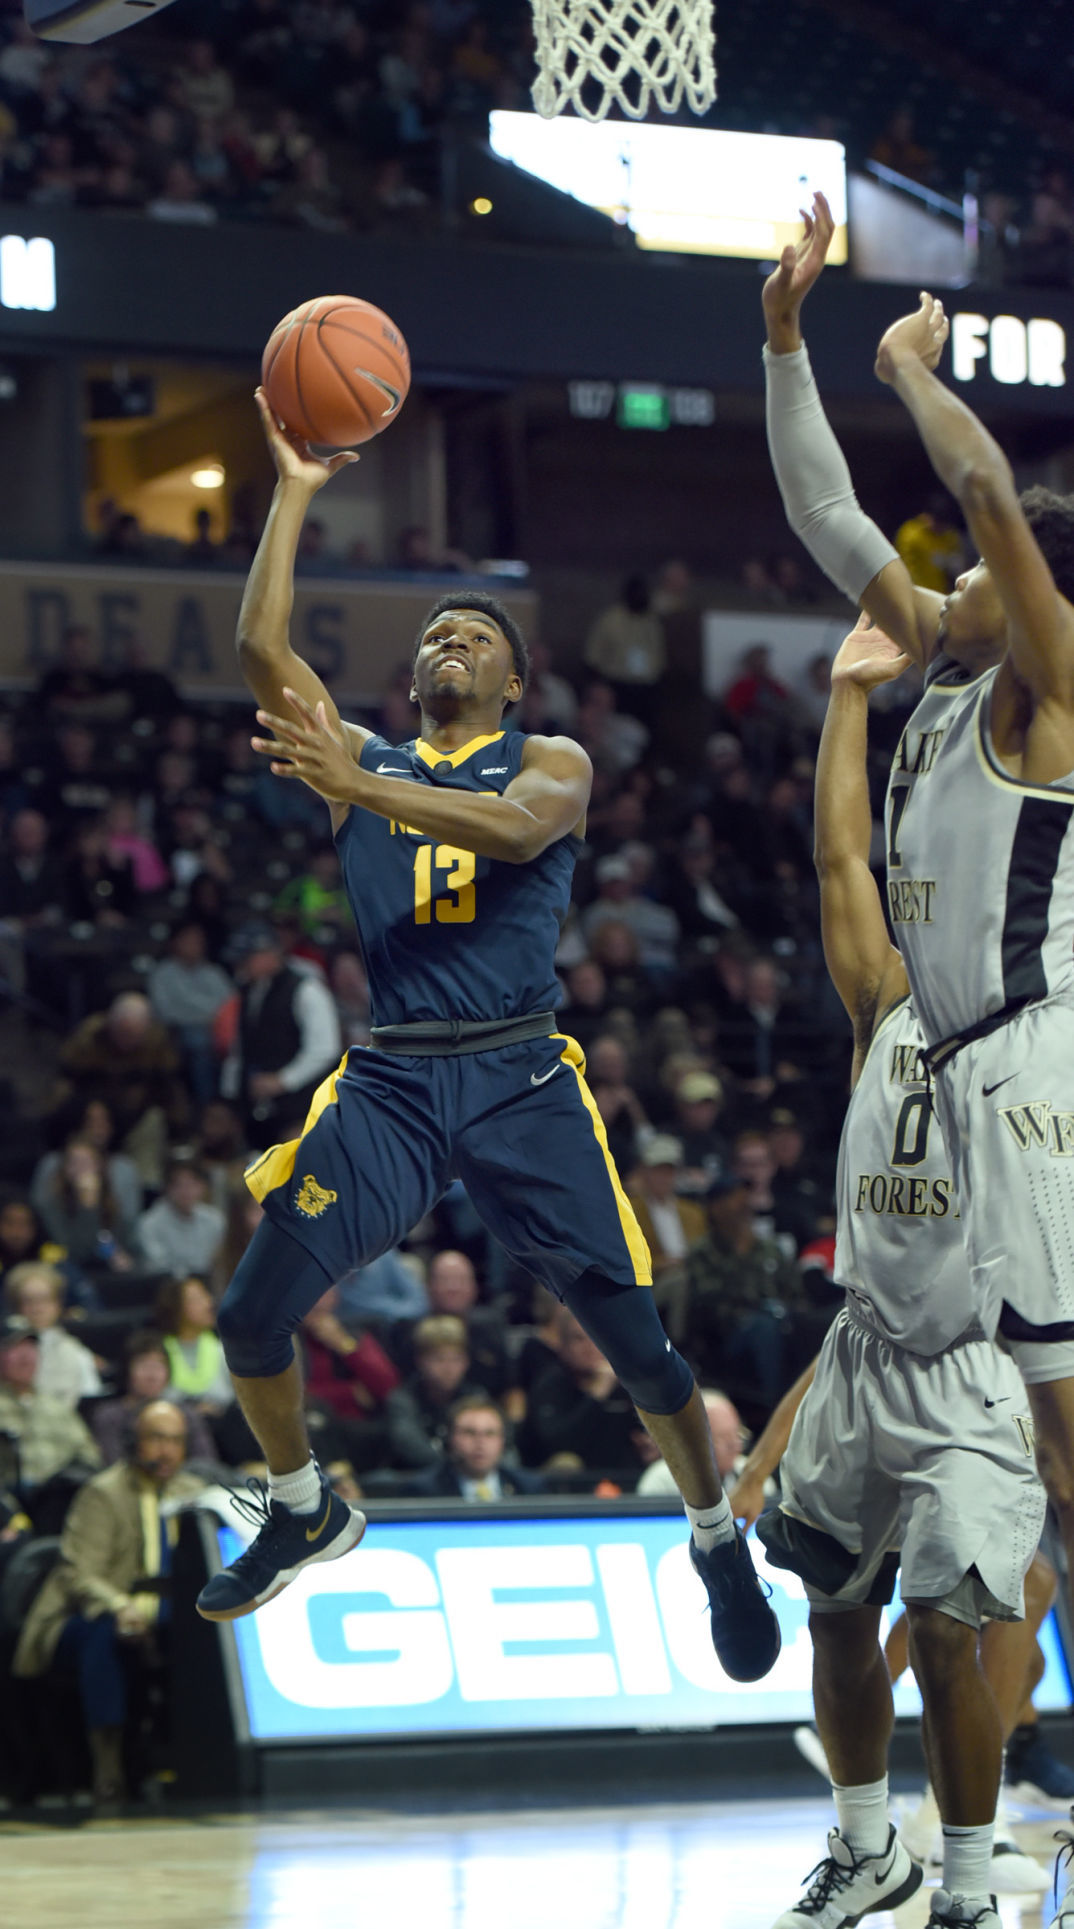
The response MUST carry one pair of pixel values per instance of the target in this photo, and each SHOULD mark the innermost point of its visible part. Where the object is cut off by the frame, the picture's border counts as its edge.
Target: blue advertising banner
(490, 1625)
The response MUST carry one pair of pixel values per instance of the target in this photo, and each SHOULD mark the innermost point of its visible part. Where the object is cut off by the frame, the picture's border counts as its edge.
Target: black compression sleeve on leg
(623, 1321)
(275, 1284)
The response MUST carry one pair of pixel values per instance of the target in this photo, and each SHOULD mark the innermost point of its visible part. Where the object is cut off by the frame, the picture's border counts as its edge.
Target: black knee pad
(624, 1323)
(274, 1285)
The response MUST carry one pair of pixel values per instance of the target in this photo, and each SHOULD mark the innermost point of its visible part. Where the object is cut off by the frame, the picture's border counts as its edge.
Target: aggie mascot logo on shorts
(313, 1199)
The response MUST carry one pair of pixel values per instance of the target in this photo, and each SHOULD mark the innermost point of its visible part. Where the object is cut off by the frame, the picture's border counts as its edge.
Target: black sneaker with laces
(1032, 1773)
(285, 1545)
(745, 1632)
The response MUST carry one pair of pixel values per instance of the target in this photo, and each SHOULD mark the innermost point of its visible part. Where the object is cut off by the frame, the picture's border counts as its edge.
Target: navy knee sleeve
(624, 1323)
(275, 1284)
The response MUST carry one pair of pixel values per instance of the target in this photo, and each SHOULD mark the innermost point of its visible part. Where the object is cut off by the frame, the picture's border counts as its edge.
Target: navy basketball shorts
(386, 1134)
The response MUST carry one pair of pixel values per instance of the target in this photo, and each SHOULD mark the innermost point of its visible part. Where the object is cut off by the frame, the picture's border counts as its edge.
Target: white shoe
(920, 1832)
(1013, 1873)
(845, 1887)
(955, 1912)
(811, 1748)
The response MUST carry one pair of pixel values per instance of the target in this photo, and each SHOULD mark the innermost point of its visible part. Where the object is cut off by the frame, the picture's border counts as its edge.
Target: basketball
(336, 371)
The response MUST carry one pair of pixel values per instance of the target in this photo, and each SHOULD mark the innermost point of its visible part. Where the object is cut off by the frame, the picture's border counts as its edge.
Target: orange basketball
(336, 371)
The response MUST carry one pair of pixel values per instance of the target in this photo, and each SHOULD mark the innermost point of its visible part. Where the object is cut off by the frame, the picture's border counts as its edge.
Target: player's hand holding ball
(917, 337)
(294, 459)
(867, 657)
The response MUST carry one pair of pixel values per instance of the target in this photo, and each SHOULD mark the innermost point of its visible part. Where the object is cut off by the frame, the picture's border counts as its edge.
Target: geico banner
(452, 1627)
(183, 622)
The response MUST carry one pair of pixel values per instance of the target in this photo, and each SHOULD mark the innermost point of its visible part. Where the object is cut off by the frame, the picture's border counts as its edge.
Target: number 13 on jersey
(461, 907)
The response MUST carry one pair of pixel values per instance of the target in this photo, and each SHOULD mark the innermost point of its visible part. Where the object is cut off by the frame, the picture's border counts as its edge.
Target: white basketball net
(635, 51)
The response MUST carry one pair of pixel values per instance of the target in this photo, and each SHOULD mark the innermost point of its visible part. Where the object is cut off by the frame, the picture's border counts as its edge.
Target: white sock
(299, 1491)
(863, 1816)
(711, 1526)
(967, 1860)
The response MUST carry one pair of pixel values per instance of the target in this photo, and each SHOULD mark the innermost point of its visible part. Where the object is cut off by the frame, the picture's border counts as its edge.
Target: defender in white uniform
(913, 1441)
(915, 1437)
(1001, 885)
(985, 921)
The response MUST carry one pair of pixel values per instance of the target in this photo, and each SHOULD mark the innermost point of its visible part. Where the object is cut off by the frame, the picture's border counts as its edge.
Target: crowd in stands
(341, 115)
(328, 115)
(180, 969)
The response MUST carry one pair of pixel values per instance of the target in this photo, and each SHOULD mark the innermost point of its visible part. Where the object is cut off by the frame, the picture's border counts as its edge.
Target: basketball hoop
(632, 51)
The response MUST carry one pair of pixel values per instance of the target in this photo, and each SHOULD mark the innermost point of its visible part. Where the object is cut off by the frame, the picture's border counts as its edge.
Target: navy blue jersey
(446, 934)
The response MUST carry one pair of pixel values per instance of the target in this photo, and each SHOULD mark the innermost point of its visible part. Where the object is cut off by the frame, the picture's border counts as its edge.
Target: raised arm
(263, 640)
(547, 799)
(865, 967)
(811, 470)
(973, 466)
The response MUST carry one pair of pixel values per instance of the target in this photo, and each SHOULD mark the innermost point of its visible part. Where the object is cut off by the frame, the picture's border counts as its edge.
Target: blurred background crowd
(354, 114)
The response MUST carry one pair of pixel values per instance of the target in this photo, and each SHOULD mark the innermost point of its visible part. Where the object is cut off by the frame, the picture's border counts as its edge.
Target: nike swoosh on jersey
(392, 770)
(987, 1090)
(545, 1076)
(1004, 1397)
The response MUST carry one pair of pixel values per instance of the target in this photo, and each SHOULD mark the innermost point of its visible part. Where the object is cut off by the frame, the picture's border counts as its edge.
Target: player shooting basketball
(457, 853)
(980, 826)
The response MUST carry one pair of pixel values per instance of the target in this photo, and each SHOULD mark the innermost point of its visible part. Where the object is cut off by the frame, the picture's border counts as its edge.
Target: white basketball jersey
(898, 1248)
(980, 865)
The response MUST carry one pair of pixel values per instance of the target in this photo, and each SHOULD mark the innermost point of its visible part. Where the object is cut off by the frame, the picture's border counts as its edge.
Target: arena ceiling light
(683, 190)
(209, 475)
(83, 21)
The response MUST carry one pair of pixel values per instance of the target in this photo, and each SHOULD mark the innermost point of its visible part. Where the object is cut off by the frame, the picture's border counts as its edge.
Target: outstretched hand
(306, 746)
(294, 459)
(800, 266)
(868, 657)
(919, 336)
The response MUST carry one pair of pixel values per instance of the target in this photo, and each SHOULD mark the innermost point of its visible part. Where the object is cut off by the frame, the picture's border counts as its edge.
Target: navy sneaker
(1033, 1773)
(285, 1545)
(745, 1632)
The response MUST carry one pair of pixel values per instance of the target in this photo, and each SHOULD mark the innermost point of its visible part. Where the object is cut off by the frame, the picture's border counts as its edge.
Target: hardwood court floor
(725, 1866)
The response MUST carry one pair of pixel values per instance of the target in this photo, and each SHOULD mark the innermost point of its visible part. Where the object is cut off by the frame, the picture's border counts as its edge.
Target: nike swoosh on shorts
(545, 1076)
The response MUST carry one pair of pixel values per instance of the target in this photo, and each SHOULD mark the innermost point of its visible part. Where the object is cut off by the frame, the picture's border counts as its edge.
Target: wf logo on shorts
(313, 1199)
